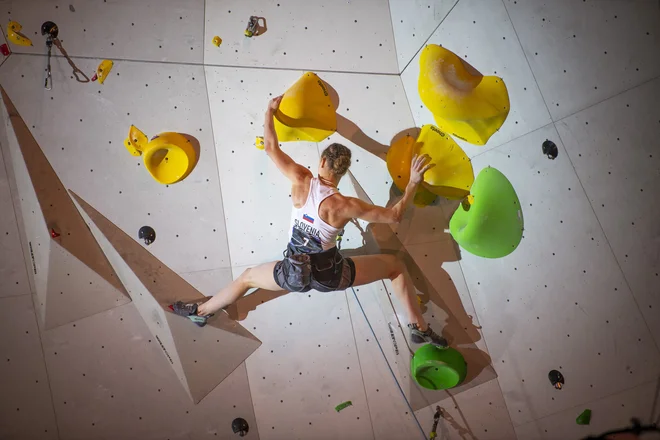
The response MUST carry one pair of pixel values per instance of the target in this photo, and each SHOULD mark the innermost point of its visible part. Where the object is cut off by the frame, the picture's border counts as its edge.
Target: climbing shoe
(429, 336)
(189, 311)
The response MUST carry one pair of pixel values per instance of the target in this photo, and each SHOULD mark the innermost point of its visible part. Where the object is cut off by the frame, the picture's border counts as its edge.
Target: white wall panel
(413, 21)
(166, 30)
(26, 409)
(559, 301)
(109, 379)
(209, 282)
(348, 36)
(391, 415)
(307, 364)
(60, 298)
(255, 193)
(480, 412)
(584, 52)
(609, 413)
(13, 275)
(614, 149)
(81, 129)
(481, 33)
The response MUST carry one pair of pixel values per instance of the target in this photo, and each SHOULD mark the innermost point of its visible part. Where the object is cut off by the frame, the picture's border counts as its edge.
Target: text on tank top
(309, 233)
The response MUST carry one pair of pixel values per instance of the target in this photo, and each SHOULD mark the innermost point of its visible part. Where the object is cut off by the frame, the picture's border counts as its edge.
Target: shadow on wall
(196, 147)
(241, 308)
(433, 283)
(436, 288)
(443, 303)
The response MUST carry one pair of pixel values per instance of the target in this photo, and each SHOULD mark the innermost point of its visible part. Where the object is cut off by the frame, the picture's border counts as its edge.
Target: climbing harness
(50, 31)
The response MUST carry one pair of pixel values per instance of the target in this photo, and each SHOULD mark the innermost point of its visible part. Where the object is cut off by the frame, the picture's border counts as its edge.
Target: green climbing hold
(584, 418)
(489, 223)
(343, 405)
(438, 368)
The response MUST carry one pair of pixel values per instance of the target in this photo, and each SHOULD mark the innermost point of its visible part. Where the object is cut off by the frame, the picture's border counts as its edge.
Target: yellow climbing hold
(103, 70)
(259, 143)
(464, 103)
(398, 160)
(217, 41)
(136, 141)
(451, 177)
(169, 157)
(423, 197)
(467, 202)
(14, 34)
(306, 112)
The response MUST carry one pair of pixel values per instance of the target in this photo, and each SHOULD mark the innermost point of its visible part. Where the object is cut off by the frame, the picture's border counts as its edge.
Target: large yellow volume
(464, 103)
(451, 177)
(306, 112)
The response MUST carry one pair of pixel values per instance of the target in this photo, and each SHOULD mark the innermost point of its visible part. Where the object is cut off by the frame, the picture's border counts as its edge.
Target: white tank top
(309, 233)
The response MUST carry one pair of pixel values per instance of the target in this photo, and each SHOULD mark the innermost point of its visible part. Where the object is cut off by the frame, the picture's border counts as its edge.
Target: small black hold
(147, 234)
(550, 149)
(556, 379)
(240, 427)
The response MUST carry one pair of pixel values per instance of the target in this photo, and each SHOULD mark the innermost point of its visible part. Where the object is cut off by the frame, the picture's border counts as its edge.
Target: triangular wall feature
(201, 357)
(72, 277)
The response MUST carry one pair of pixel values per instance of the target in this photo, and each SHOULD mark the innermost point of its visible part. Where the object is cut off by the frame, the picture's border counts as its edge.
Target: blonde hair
(338, 157)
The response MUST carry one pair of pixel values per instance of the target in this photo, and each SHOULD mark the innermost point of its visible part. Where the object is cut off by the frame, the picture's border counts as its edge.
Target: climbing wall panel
(391, 416)
(209, 282)
(584, 52)
(26, 409)
(338, 36)
(413, 22)
(609, 413)
(307, 365)
(46, 207)
(559, 301)
(62, 220)
(258, 213)
(154, 287)
(481, 33)
(614, 149)
(89, 156)
(169, 30)
(110, 379)
(13, 277)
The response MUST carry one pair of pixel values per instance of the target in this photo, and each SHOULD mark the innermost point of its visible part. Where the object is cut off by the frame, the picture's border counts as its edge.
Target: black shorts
(327, 271)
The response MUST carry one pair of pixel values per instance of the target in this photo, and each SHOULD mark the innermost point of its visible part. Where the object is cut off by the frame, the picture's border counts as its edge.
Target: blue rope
(389, 366)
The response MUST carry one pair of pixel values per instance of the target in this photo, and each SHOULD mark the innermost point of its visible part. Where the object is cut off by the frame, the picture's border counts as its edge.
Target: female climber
(312, 260)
